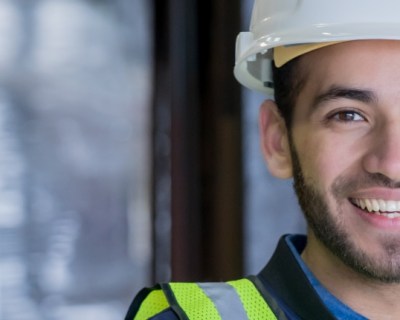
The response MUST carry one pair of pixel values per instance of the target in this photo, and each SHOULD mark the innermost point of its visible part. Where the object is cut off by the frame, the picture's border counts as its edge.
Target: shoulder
(148, 303)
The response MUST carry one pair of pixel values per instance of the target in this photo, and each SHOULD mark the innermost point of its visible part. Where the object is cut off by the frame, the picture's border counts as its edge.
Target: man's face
(345, 142)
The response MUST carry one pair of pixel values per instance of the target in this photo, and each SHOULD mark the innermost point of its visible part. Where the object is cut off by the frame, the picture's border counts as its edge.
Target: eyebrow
(338, 92)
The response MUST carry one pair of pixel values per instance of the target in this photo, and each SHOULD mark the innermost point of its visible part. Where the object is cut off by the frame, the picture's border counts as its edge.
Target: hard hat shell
(290, 22)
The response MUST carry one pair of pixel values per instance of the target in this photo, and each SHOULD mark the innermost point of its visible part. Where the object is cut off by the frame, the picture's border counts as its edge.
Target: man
(334, 127)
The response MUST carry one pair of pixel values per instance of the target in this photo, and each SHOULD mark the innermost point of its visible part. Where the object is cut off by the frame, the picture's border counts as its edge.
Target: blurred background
(128, 154)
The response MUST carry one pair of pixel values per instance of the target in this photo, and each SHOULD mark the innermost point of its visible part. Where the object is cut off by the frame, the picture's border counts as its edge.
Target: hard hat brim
(254, 53)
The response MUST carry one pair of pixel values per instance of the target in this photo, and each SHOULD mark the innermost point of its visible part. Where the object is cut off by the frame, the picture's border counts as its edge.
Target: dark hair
(288, 82)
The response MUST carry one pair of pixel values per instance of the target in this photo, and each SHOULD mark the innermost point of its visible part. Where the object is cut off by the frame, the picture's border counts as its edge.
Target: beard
(330, 227)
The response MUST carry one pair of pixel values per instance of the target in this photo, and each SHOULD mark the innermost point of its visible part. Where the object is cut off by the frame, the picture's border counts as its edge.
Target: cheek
(322, 162)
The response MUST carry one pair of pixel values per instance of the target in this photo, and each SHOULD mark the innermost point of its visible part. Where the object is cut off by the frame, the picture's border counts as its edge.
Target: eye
(347, 116)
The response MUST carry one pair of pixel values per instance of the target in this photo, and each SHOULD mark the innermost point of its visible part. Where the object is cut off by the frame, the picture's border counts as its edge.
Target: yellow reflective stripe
(154, 303)
(254, 304)
(195, 303)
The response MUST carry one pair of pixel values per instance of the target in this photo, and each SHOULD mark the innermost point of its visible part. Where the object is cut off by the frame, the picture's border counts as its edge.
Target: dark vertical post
(186, 181)
(161, 143)
(222, 142)
(194, 54)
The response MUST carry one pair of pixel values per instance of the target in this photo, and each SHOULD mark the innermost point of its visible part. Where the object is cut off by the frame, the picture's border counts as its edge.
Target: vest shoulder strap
(233, 300)
(147, 303)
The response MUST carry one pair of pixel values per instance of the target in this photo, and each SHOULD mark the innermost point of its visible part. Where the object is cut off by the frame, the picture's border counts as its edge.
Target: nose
(383, 154)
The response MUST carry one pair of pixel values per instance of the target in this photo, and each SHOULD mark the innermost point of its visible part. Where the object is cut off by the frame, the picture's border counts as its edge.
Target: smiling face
(345, 155)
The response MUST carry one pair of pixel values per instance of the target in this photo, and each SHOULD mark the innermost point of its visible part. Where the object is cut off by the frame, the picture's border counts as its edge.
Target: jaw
(354, 238)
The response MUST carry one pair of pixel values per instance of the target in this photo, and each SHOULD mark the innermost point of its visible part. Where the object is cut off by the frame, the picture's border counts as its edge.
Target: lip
(377, 193)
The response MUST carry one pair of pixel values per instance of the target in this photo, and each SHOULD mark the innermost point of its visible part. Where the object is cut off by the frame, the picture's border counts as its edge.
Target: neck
(371, 298)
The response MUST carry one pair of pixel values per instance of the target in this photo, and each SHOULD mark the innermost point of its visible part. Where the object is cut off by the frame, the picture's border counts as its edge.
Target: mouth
(386, 208)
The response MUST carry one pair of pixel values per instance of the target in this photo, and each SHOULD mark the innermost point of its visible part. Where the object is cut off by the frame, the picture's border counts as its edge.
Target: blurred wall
(74, 157)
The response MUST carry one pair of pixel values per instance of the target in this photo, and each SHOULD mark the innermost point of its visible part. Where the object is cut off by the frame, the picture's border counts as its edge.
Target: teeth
(392, 215)
(388, 208)
(368, 204)
(375, 205)
(382, 205)
(391, 206)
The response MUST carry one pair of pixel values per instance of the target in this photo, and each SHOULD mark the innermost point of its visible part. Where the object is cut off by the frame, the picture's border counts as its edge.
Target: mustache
(345, 185)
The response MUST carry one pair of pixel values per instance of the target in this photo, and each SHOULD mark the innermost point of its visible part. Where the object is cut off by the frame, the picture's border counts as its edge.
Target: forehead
(362, 63)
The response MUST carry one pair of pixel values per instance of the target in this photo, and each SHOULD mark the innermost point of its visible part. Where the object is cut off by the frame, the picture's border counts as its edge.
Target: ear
(275, 141)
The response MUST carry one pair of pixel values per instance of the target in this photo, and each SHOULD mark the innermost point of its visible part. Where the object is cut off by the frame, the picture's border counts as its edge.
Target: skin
(345, 139)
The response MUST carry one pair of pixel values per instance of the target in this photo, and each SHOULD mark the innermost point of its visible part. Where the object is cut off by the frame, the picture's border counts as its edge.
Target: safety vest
(233, 300)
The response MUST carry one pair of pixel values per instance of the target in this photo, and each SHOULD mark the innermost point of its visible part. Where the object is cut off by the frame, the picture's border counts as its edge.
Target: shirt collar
(340, 310)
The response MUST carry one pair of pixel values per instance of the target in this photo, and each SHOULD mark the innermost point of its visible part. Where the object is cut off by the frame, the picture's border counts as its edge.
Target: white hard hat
(299, 23)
